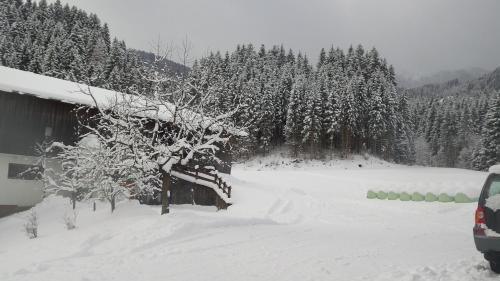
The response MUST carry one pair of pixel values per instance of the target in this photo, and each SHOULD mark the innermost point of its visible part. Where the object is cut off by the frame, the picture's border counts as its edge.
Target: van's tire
(495, 266)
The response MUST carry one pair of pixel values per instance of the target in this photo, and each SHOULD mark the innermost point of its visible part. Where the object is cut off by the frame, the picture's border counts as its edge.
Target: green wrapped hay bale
(371, 194)
(404, 196)
(392, 195)
(445, 198)
(382, 195)
(430, 197)
(417, 197)
(462, 198)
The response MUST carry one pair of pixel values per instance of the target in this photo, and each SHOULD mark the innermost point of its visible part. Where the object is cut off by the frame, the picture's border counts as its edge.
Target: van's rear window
(494, 187)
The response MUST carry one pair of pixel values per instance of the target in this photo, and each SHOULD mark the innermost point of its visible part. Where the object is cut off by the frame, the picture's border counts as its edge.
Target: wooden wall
(24, 118)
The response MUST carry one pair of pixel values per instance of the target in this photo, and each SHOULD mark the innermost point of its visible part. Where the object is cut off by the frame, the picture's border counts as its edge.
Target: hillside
(485, 84)
(462, 75)
(308, 223)
(169, 65)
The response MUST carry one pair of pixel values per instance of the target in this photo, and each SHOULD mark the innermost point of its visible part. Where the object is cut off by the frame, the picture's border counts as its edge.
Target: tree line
(346, 103)
(457, 131)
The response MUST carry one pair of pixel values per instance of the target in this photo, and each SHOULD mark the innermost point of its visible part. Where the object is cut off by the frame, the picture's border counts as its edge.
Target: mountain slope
(463, 75)
(485, 84)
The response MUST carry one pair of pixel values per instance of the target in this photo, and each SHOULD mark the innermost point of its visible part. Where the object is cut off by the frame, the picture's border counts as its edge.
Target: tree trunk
(164, 193)
(113, 205)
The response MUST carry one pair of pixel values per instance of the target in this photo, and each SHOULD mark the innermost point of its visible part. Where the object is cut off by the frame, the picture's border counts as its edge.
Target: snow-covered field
(290, 221)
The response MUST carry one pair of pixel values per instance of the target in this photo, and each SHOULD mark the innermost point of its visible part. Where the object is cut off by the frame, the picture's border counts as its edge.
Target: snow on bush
(493, 202)
(31, 225)
(70, 220)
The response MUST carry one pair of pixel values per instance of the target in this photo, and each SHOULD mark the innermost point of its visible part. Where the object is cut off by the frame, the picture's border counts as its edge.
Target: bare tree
(146, 135)
(135, 140)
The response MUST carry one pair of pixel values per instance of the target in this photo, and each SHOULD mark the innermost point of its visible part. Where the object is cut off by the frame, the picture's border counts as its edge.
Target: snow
(493, 202)
(287, 223)
(421, 180)
(44, 87)
(491, 233)
(495, 169)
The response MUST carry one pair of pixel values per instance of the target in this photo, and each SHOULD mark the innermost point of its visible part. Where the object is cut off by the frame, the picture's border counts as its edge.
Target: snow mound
(282, 160)
(465, 270)
(495, 169)
(493, 202)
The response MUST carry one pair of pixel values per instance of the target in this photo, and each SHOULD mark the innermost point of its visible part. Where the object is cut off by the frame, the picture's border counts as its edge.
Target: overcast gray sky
(417, 36)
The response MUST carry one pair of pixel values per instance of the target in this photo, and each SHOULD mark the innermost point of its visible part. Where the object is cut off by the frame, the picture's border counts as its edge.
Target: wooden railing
(208, 174)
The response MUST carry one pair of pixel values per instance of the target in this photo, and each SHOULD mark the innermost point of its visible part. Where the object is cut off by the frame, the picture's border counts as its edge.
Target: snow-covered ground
(290, 221)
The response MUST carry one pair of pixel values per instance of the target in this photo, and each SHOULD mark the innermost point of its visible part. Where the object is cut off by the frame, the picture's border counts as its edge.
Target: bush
(31, 225)
(430, 197)
(445, 198)
(417, 197)
(404, 196)
(393, 195)
(382, 195)
(371, 194)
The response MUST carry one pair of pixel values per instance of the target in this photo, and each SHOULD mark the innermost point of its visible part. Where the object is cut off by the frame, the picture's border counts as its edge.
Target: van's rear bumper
(485, 244)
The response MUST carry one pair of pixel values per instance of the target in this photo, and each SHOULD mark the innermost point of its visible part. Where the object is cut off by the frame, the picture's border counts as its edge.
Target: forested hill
(168, 65)
(455, 122)
(463, 75)
(346, 103)
(482, 85)
(66, 42)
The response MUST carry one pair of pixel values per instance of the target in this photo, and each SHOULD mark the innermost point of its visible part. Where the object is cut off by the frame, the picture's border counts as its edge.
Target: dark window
(24, 172)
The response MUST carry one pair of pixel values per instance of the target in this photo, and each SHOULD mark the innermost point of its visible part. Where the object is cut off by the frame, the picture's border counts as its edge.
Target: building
(35, 107)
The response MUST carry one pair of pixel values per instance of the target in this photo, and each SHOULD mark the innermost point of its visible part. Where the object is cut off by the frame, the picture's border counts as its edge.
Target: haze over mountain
(463, 86)
(406, 80)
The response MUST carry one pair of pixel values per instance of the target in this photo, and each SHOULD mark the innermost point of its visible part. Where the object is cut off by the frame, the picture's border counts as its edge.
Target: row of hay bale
(418, 197)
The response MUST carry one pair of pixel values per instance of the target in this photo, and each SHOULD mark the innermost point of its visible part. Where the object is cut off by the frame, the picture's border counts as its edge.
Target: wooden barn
(34, 108)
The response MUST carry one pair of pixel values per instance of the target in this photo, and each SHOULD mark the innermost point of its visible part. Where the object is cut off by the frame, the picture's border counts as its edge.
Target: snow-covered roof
(495, 169)
(44, 87)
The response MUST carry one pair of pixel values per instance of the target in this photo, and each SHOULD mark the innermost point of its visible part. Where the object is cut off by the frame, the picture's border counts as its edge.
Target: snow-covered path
(286, 224)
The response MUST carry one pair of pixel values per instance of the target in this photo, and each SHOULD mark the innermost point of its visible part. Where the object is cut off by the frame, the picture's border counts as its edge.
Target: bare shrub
(31, 225)
(70, 220)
